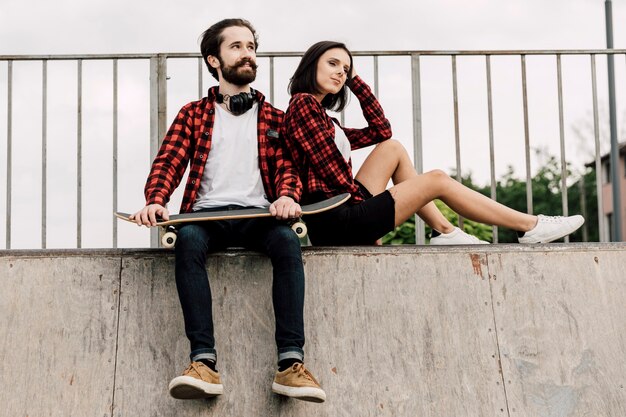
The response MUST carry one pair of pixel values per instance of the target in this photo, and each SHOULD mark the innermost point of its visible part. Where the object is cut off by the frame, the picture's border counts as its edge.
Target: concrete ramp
(503, 330)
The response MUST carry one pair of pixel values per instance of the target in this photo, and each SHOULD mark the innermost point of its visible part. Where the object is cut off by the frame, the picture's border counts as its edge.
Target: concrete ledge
(501, 330)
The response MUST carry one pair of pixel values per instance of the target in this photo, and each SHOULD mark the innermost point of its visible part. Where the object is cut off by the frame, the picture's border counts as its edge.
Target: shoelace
(551, 219)
(192, 366)
(302, 371)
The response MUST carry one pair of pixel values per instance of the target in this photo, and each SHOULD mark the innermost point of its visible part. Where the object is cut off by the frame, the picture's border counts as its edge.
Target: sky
(116, 27)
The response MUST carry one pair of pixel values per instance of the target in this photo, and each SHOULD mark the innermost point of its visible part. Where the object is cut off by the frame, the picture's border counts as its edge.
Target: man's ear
(213, 61)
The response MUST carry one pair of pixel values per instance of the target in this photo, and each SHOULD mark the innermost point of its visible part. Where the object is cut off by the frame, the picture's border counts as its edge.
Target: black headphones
(238, 104)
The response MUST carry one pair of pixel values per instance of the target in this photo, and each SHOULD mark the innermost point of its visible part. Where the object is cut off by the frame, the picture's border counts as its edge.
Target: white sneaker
(456, 237)
(550, 228)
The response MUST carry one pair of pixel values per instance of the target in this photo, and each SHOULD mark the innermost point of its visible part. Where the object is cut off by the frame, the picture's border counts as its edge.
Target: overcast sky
(141, 26)
(114, 26)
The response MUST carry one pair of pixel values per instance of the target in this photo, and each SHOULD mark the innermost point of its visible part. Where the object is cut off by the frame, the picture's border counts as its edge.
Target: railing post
(44, 153)
(562, 141)
(529, 181)
(614, 154)
(115, 150)
(492, 154)
(79, 155)
(420, 239)
(457, 135)
(9, 150)
(158, 115)
(598, 164)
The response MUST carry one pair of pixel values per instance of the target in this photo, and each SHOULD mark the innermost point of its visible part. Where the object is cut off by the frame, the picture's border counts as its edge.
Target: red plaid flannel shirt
(310, 137)
(188, 141)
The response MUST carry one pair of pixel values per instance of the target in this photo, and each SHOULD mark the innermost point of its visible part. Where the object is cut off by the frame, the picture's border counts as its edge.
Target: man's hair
(304, 80)
(212, 39)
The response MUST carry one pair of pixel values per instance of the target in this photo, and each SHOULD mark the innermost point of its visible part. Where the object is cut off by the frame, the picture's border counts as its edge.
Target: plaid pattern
(310, 137)
(188, 142)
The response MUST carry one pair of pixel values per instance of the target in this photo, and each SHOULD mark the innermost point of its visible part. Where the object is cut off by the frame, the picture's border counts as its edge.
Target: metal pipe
(44, 151)
(529, 184)
(492, 155)
(615, 177)
(79, 155)
(9, 150)
(158, 114)
(375, 57)
(115, 150)
(420, 239)
(281, 54)
(457, 137)
(272, 79)
(596, 134)
(562, 141)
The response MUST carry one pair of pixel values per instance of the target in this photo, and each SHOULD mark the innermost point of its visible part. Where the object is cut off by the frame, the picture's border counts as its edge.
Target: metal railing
(158, 118)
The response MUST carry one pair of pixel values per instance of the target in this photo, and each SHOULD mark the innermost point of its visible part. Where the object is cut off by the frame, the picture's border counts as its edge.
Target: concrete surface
(502, 330)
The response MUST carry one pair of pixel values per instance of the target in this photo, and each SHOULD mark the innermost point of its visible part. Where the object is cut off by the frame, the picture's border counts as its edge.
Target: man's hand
(285, 208)
(147, 216)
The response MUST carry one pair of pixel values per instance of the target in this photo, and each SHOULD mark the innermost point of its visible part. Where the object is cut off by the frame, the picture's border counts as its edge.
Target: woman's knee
(437, 175)
(392, 146)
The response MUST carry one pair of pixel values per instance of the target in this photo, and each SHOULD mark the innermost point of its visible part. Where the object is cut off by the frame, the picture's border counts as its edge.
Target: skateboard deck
(169, 238)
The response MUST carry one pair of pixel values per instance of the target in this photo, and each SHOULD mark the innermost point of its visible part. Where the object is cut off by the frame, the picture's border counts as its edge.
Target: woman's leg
(389, 160)
(416, 192)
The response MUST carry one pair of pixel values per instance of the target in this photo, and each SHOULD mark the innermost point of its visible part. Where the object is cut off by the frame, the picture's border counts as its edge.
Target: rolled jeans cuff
(290, 353)
(206, 353)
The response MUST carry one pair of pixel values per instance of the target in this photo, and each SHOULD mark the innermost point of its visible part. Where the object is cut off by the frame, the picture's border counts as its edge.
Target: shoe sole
(311, 394)
(572, 229)
(189, 388)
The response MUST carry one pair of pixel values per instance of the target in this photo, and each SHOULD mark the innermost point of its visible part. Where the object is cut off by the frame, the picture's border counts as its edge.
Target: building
(607, 190)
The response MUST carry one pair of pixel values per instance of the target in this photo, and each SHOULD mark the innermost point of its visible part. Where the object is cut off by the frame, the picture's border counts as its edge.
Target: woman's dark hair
(212, 39)
(304, 80)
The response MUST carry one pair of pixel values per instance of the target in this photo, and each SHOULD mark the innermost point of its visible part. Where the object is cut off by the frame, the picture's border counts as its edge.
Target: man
(230, 140)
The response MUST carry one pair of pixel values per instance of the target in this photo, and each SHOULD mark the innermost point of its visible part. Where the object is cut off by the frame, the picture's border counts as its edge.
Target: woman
(321, 151)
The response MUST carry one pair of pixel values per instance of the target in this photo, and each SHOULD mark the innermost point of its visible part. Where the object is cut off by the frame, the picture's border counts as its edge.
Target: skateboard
(170, 226)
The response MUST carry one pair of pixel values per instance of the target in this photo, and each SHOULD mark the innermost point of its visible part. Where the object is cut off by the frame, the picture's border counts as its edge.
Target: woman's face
(332, 71)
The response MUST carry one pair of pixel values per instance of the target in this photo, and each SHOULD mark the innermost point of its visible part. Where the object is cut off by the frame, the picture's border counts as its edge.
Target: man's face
(237, 60)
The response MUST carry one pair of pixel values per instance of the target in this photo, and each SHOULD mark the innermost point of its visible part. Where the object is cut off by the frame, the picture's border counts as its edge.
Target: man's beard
(234, 76)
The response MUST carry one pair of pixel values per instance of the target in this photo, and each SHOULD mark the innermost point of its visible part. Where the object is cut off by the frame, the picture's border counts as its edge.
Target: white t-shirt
(342, 142)
(231, 174)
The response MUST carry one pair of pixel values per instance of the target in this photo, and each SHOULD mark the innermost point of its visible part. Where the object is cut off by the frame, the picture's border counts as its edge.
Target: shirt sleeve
(287, 180)
(378, 127)
(307, 128)
(171, 161)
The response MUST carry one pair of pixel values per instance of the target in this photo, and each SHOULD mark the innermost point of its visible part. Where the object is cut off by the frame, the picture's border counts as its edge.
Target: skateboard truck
(169, 237)
(299, 228)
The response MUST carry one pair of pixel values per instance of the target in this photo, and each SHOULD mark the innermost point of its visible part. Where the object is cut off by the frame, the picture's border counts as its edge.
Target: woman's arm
(307, 129)
(378, 128)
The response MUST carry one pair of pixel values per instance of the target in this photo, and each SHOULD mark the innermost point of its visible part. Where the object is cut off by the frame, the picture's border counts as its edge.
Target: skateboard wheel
(168, 240)
(300, 229)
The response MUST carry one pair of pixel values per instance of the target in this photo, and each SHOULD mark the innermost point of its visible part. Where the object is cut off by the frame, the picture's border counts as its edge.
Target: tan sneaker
(297, 382)
(197, 381)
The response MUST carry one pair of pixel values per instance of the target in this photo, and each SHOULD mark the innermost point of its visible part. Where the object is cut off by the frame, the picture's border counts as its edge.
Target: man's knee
(190, 238)
(284, 239)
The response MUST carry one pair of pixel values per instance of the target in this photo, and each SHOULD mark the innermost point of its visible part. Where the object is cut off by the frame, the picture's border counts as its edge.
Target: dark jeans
(267, 235)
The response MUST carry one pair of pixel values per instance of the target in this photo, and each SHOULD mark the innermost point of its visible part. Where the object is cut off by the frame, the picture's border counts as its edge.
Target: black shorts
(354, 224)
